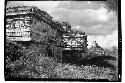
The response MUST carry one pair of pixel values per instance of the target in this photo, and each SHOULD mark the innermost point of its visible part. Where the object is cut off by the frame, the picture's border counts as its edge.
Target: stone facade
(45, 35)
(75, 41)
(29, 24)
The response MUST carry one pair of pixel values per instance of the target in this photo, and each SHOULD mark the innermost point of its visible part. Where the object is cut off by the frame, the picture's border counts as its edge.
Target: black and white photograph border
(63, 40)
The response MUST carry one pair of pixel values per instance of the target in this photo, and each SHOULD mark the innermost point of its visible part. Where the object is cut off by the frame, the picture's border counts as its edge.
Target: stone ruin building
(36, 30)
(35, 27)
(75, 44)
(95, 48)
(75, 41)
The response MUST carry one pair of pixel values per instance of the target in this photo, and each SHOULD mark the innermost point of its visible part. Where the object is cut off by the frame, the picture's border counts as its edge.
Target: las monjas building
(35, 28)
(38, 31)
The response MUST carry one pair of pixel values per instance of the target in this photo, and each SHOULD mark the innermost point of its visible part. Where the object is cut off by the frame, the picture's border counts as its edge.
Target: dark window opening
(50, 53)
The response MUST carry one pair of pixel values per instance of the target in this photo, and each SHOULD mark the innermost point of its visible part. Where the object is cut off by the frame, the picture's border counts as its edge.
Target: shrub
(13, 52)
(32, 64)
(68, 71)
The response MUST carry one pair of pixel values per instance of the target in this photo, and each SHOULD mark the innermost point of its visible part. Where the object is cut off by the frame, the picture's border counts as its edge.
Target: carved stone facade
(31, 24)
(76, 41)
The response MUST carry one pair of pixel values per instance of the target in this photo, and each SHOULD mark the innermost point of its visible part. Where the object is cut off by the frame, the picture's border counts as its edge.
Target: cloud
(76, 5)
(92, 21)
(76, 27)
(105, 41)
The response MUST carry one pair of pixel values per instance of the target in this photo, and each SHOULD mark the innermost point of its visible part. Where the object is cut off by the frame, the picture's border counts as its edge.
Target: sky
(91, 17)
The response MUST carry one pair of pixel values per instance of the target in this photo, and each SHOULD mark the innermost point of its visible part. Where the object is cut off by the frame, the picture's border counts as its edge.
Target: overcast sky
(91, 17)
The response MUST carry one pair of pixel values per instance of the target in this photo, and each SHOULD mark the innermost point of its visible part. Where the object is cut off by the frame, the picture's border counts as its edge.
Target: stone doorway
(50, 52)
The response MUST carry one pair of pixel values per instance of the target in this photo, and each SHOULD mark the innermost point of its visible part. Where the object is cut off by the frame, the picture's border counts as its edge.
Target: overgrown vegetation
(22, 62)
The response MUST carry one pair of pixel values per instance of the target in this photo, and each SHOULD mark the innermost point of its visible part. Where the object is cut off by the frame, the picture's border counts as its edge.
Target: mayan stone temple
(29, 25)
